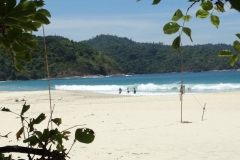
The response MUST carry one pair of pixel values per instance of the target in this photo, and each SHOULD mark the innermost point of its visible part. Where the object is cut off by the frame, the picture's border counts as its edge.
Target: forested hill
(135, 57)
(66, 59)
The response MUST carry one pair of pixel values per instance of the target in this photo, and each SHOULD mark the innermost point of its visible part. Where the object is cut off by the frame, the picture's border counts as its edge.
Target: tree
(207, 8)
(18, 21)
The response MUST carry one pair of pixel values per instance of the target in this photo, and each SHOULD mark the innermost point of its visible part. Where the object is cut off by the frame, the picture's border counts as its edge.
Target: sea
(144, 84)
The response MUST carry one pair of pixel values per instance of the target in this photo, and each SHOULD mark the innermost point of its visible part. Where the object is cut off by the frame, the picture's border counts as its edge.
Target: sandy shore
(136, 127)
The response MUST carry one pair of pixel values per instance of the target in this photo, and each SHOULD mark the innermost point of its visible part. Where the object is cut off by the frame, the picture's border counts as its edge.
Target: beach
(135, 127)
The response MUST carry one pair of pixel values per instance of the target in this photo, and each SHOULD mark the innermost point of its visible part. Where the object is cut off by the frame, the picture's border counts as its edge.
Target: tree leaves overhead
(177, 15)
(202, 13)
(156, 2)
(207, 5)
(233, 59)
(236, 45)
(17, 19)
(176, 43)
(238, 35)
(215, 20)
(187, 18)
(235, 4)
(171, 28)
(41, 18)
(225, 53)
(188, 32)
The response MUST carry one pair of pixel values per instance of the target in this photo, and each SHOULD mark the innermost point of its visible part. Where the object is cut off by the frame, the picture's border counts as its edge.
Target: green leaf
(37, 24)
(31, 43)
(156, 2)
(10, 4)
(14, 33)
(10, 21)
(24, 19)
(24, 109)
(84, 135)
(41, 18)
(236, 45)
(5, 110)
(39, 119)
(225, 53)
(171, 27)
(29, 26)
(207, 5)
(219, 7)
(33, 140)
(202, 13)
(176, 43)
(25, 5)
(188, 32)
(3, 11)
(16, 47)
(21, 14)
(45, 135)
(44, 12)
(235, 4)
(23, 9)
(186, 18)
(39, 3)
(238, 35)
(215, 20)
(233, 59)
(60, 147)
(17, 65)
(177, 15)
(57, 121)
(39, 134)
(27, 57)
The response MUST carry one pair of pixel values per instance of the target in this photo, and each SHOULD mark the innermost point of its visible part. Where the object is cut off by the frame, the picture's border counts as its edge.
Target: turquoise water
(146, 84)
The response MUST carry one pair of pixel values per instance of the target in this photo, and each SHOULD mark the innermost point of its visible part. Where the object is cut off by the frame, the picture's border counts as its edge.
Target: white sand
(137, 127)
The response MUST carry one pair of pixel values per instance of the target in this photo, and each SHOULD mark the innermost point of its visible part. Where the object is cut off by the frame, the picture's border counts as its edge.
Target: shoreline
(116, 75)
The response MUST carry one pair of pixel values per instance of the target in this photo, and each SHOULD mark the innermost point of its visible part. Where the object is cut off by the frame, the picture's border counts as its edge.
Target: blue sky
(140, 21)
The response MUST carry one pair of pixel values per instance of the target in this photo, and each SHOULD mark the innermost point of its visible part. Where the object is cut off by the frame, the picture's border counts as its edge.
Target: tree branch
(55, 155)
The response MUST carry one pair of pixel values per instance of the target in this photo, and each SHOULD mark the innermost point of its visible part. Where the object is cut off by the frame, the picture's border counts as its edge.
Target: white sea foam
(152, 89)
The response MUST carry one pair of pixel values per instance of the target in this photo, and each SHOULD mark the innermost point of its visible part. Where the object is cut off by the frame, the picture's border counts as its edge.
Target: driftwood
(45, 154)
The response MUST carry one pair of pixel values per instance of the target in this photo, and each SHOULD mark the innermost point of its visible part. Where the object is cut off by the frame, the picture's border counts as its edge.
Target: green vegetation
(208, 8)
(40, 143)
(17, 21)
(66, 58)
(144, 58)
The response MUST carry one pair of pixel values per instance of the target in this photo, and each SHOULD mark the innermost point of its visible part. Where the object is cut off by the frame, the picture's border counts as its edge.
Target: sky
(80, 20)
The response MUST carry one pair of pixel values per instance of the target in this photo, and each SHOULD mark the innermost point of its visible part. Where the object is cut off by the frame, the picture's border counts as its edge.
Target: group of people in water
(134, 90)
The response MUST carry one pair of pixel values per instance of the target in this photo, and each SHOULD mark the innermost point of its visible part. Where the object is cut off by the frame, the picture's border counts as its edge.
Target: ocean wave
(150, 88)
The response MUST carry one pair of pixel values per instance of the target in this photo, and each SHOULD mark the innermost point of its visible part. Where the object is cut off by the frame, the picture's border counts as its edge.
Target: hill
(144, 58)
(66, 59)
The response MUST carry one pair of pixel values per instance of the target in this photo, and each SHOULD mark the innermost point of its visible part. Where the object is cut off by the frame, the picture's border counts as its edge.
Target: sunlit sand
(136, 127)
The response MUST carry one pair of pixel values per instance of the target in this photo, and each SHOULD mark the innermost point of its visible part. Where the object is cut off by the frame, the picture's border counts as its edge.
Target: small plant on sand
(40, 143)
(18, 19)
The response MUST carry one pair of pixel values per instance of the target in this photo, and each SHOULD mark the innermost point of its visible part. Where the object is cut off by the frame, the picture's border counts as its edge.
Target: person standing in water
(120, 90)
(127, 90)
(134, 90)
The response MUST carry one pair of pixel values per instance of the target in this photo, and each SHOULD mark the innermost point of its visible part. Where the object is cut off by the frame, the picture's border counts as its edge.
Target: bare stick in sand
(203, 111)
